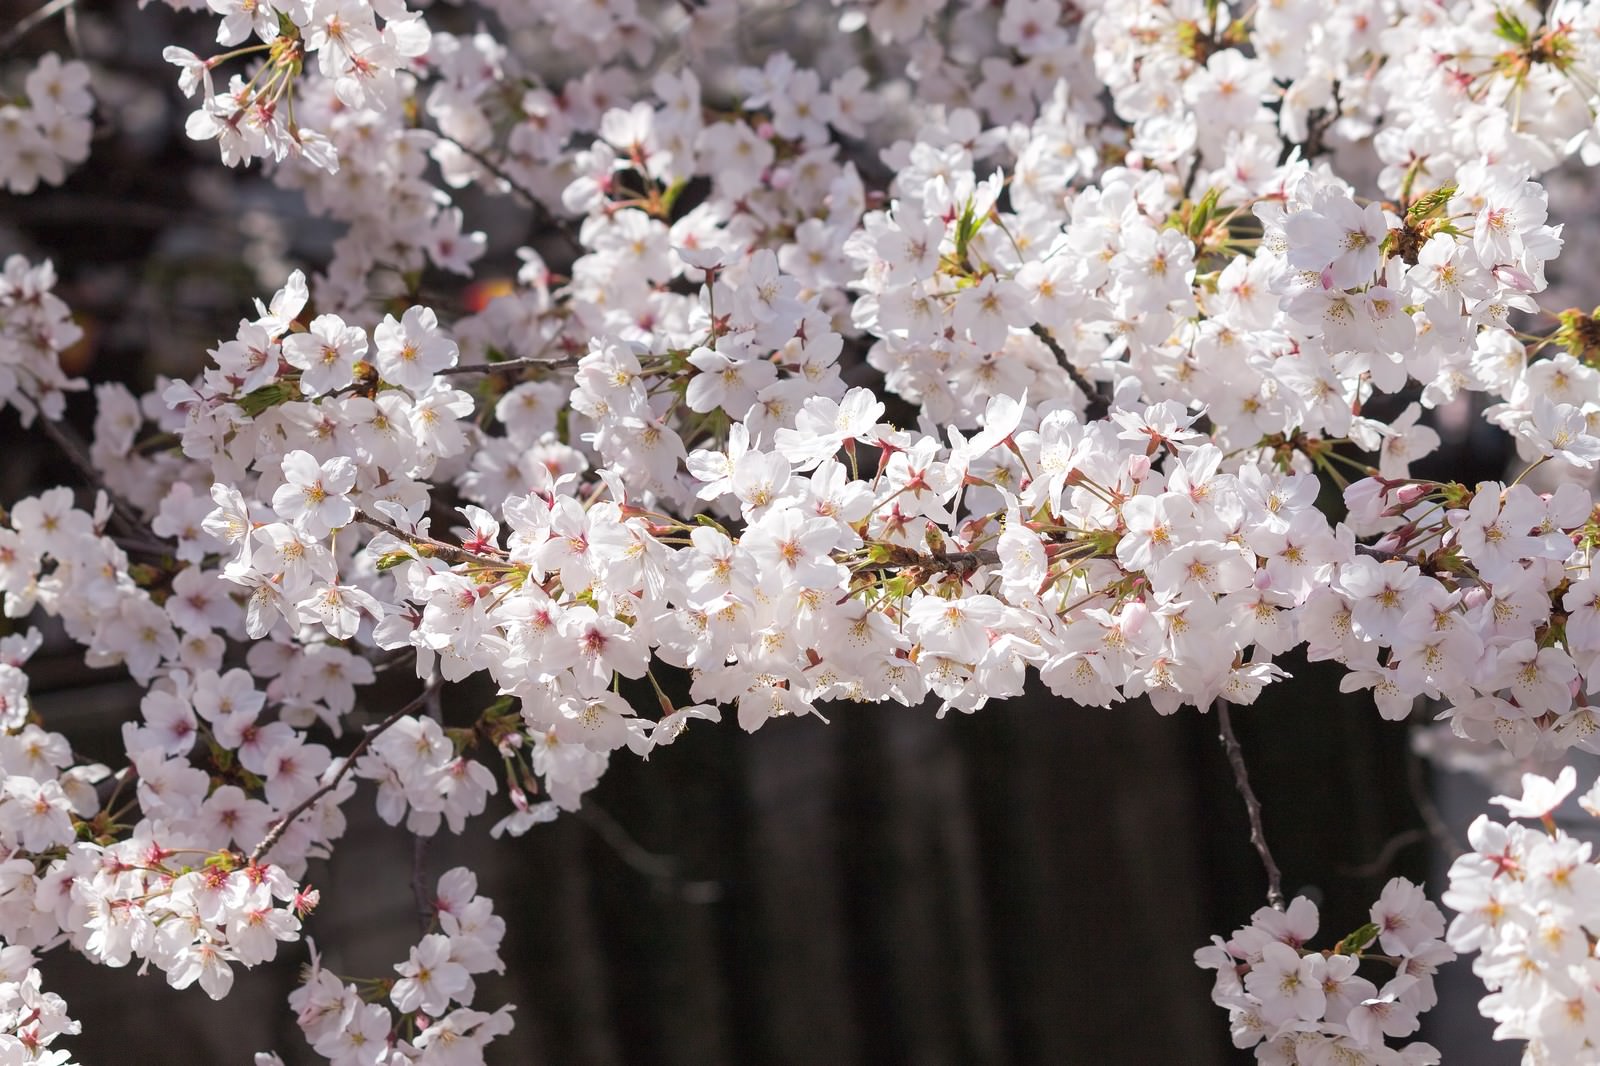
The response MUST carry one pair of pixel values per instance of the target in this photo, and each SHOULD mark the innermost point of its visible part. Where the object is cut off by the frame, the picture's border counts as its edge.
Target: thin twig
(21, 29)
(1380, 865)
(419, 843)
(72, 447)
(663, 869)
(1098, 404)
(1385, 555)
(509, 364)
(70, 25)
(1252, 806)
(548, 217)
(437, 547)
(136, 546)
(281, 826)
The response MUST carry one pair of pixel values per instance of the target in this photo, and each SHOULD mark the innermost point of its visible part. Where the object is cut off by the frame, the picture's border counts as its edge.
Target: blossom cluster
(1528, 903)
(30, 1018)
(45, 131)
(1295, 1004)
(35, 328)
(349, 1023)
(1099, 250)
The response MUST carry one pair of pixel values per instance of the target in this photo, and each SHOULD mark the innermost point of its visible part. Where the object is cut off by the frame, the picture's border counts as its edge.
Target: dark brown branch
(136, 546)
(898, 557)
(437, 547)
(281, 826)
(1385, 555)
(546, 216)
(126, 514)
(1097, 404)
(1252, 806)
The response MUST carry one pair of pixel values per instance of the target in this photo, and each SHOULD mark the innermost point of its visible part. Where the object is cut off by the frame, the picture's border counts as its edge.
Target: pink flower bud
(1410, 494)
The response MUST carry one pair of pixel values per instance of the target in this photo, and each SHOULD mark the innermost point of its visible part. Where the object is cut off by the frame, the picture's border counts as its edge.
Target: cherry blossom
(990, 342)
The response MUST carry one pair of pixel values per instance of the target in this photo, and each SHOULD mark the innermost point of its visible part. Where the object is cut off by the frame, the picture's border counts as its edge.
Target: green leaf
(670, 197)
(967, 227)
(1508, 27)
(1200, 217)
(707, 520)
(253, 403)
(1358, 941)
(1431, 202)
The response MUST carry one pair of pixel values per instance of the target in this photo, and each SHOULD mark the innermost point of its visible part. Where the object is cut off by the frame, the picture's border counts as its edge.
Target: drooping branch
(663, 870)
(1252, 805)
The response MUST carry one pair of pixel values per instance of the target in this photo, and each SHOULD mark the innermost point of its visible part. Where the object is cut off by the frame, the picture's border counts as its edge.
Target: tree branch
(1098, 404)
(547, 217)
(72, 447)
(1252, 806)
(438, 547)
(509, 364)
(28, 22)
(281, 826)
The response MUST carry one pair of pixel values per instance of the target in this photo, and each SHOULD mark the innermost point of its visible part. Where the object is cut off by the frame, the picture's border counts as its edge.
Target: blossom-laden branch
(725, 258)
(453, 552)
(282, 825)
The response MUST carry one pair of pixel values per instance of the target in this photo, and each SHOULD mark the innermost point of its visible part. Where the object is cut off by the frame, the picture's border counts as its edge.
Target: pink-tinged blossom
(315, 496)
(411, 349)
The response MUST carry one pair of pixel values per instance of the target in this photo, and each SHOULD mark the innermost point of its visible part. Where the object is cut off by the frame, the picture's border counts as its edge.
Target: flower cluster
(1295, 1004)
(30, 1018)
(1140, 323)
(431, 1022)
(254, 118)
(45, 132)
(1528, 903)
(35, 328)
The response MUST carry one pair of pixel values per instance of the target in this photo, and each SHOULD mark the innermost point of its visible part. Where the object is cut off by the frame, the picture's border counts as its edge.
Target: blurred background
(1023, 886)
